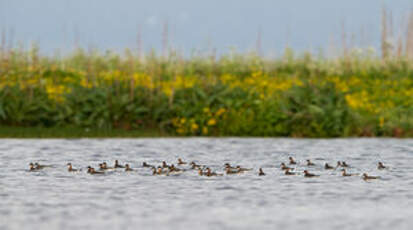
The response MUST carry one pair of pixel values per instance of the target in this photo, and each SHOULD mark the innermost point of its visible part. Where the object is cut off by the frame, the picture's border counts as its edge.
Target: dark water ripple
(56, 199)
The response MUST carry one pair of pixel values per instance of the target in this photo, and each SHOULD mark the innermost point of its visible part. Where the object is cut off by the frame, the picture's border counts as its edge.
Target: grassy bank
(234, 95)
(74, 132)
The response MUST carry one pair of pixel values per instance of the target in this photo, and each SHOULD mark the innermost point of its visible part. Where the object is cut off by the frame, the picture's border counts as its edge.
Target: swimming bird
(228, 166)
(327, 166)
(309, 163)
(307, 174)
(338, 164)
(242, 169)
(287, 172)
(180, 162)
(164, 165)
(292, 161)
(344, 173)
(91, 170)
(344, 164)
(260, 172)
(381, 166)
(367, 177)
(39, 166)
(128, 168)
(32, 168)
(200, 172)
(104, 166)
(284, 167)
(117, 165)
(194, 165)
(146, 165)
(160, 170)
(172, 168)
(70, 168)
(230, 170)
(210, 173)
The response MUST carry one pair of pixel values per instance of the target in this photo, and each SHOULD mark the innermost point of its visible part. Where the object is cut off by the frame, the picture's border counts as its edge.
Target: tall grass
(237, 94)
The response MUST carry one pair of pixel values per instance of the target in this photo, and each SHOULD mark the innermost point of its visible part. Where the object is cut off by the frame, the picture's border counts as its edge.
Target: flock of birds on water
(165, 169)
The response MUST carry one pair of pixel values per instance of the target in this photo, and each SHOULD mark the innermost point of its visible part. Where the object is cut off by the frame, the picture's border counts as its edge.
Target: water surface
(56, 199)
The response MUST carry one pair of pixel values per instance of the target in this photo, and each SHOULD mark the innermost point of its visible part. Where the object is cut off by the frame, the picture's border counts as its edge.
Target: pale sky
(222, 24)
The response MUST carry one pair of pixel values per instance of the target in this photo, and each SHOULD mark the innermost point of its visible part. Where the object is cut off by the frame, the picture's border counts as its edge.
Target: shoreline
(10, 132)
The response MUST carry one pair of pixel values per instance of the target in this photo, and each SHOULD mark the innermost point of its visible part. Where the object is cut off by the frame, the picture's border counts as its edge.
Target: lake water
(54, 198)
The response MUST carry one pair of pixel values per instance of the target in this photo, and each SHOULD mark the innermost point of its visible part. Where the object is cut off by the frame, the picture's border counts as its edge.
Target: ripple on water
(59, 198)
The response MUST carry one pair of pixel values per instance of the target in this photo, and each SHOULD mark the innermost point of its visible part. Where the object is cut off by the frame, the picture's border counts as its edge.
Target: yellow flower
(167, 89)
(183, 120)
(351, 101)
(85, 83)
(381, 122)
(143, 80)
(257, 74)
(117, 74)
(212, 122)
(220, 112)
(184, 82)
(205, 130)
(194, 127)
(55, 92)
(180, 131)
(206, 110)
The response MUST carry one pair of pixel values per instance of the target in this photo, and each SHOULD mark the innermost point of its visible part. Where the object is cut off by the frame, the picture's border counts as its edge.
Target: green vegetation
(73, 132)
(235, 95)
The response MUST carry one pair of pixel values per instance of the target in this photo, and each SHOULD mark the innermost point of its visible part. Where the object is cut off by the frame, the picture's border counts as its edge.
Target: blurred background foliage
(358, 94)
